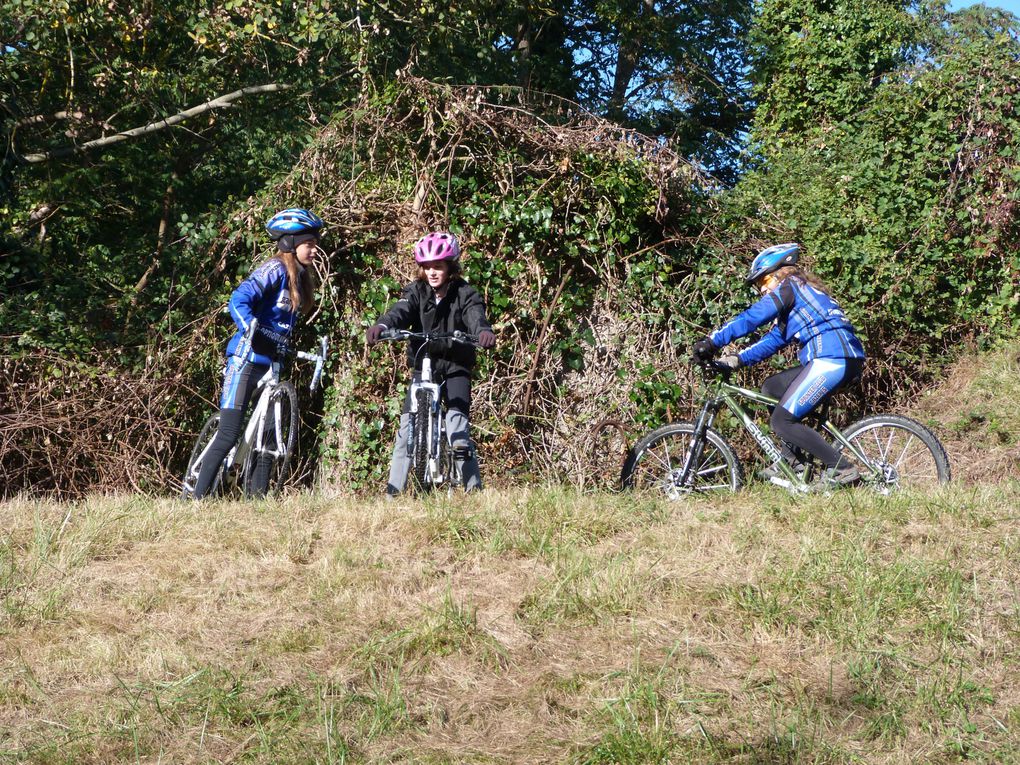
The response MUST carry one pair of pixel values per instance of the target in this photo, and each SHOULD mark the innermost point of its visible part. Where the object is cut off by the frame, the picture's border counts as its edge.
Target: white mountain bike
(260, 462)
(434, 461)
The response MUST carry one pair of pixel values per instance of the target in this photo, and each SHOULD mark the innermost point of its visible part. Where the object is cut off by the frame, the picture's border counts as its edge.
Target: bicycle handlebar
(713, 366)
(404, 334)
(319, 358)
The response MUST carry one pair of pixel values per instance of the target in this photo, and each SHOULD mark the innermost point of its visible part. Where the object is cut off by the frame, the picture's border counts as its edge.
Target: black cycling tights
(226, 436)
(790, 428)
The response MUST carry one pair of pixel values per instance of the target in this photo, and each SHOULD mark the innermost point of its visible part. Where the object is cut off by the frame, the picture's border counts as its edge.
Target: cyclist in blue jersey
(274, 294)
(831, 355)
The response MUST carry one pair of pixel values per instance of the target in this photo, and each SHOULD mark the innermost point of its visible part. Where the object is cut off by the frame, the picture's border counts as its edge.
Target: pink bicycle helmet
(439, 245)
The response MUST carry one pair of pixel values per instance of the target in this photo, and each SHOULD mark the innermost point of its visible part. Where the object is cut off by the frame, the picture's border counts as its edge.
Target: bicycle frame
(437, 422)
(722, 393)
(437, 435)
(255, 428)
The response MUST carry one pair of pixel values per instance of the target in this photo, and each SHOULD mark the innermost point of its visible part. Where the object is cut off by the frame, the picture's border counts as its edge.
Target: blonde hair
(799, 273)
(299, 282)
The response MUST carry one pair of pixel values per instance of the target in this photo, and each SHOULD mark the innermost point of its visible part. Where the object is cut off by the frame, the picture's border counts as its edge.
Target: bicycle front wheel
(898, 452)
(272, 456)
(656, 463)
(202, 444)
(420, 453)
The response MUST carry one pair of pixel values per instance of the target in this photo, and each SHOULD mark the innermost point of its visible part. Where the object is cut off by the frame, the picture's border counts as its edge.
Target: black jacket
(462, 309)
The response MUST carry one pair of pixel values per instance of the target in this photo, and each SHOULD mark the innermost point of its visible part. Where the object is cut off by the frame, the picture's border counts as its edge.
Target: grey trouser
(457, 430)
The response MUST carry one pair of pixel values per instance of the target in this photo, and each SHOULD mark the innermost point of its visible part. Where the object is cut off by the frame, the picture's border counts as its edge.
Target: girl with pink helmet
(439, 300)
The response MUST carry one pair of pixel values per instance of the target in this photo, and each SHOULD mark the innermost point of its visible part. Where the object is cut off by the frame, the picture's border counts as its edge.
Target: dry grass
(541, 626)
(976, 414)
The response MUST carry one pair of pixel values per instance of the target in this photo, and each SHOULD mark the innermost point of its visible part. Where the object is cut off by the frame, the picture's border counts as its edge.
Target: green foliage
(818, 63)
(904, 191)
(883, 142)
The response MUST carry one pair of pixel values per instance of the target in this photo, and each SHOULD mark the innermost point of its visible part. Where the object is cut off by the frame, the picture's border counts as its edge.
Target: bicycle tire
(205, 437)
(264, 474)
(901, 453)
(420, 456)
(657, 458)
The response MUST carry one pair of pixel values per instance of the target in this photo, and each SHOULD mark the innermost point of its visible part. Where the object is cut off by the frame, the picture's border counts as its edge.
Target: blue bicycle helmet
(772, 259)
(293, 221)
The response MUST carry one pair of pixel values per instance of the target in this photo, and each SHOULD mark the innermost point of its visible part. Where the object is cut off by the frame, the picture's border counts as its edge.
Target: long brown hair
(299, 282)
(800, 273)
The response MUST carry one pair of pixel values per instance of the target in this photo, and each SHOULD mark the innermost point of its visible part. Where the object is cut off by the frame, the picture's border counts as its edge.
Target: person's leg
(458, 430)
(815, 384)
(774, 387)
(400, 461)
(239, 380)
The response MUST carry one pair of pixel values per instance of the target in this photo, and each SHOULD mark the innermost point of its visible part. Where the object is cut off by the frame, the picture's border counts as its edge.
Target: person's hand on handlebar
(374, 333)
(486, 339)
(729, 361)
(704, 349)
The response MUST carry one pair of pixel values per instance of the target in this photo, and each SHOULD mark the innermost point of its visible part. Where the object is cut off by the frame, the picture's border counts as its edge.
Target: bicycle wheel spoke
(660, 464)
(906, 446)
(901, 453)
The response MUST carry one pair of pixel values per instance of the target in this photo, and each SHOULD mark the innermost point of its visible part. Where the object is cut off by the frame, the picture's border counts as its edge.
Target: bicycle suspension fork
(701, 426)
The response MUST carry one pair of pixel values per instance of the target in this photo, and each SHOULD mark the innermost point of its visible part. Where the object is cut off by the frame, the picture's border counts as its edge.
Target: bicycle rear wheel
(420, 453)
(657, 460)
(899, 453)
(268, 464)
(202, 443)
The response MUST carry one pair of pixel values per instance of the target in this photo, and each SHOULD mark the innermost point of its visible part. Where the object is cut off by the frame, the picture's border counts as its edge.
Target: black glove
(279, 344)
(703, 349)
(373, 333)
(486, 339)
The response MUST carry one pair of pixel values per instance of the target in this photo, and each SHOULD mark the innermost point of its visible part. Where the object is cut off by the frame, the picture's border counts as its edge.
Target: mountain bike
(260, 462)
(891, 451)
(434, 460)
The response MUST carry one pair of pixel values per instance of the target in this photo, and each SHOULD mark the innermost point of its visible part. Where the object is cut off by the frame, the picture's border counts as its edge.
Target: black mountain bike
(891, 451)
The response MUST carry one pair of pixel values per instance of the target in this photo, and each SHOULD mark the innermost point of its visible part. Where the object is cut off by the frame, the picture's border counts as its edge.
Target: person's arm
(474, 313)
(777, 303)
(762, 312)
(771, 342)
(401, 314)
(244, 301)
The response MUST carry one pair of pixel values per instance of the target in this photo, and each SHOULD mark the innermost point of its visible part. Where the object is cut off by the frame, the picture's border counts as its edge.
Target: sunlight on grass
(544, 625)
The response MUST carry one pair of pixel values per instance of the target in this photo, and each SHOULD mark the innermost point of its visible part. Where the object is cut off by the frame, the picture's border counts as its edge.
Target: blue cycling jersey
(265, 295)
(801, 313)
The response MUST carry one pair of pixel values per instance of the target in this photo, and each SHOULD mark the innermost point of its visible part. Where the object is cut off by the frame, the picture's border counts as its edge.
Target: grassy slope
(976, 412)
(513, 627)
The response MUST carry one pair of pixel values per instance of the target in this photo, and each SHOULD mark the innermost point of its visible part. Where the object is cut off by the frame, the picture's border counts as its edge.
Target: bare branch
(221, 102)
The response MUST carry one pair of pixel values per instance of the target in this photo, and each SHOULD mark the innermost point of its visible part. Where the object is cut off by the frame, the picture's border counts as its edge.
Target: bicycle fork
(693, 457)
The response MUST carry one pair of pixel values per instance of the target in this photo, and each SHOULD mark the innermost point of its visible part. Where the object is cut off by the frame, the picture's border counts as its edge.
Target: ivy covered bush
(883, 141)
(905, 194)
(581, 236)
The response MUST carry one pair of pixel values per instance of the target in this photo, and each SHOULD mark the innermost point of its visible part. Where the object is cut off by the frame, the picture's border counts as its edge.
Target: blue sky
(1013, 6)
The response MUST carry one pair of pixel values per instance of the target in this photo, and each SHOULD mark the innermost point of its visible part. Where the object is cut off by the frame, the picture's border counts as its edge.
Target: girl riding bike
(831, 355)
(439, 300)
(273, 294)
